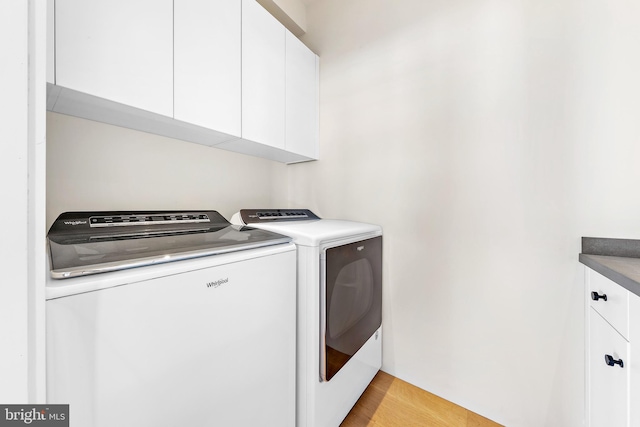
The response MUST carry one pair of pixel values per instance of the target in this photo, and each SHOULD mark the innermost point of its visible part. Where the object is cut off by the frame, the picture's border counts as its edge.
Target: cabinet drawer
(608, 382)
(615, 309)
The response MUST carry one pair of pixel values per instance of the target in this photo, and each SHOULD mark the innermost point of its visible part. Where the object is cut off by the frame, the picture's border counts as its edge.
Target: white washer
(208, 340)
(339, 309)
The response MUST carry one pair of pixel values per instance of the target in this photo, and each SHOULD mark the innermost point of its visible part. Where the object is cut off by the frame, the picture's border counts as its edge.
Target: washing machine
(172, 318)
(339, 316)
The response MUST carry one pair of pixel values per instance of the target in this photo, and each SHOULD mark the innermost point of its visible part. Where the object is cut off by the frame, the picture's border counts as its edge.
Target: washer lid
(82, 243)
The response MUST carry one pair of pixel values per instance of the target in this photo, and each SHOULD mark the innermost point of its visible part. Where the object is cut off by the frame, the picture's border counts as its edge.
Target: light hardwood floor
(391, 402)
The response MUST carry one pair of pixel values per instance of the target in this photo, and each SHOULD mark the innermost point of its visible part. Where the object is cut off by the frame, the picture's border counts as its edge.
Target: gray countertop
(616, 259)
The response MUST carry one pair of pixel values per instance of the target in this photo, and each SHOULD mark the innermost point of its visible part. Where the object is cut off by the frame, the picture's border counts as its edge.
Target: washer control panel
(141, 219)
(252, 216)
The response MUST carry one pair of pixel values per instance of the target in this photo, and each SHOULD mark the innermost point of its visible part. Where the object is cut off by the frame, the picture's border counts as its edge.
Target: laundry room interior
(486, 138)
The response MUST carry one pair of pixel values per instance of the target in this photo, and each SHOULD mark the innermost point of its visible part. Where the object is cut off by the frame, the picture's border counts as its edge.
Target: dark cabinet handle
(609, 360)
(596, 297)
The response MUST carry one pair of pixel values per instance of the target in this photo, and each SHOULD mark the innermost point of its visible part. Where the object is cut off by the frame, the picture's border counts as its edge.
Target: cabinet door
(301, 98)
(120, 50)
(608, 384)
(207, 64)
(263, 76)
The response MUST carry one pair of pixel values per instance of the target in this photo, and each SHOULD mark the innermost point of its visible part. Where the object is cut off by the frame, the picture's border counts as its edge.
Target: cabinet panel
(207, 64)
(16, 171)
(263, 76)
(120, 50)
(608, 384)
(634, 358)
(301, 98)
(616, 307)
(51, 39)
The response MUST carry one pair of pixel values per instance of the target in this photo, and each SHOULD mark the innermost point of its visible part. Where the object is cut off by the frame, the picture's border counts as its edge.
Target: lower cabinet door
(608, 373)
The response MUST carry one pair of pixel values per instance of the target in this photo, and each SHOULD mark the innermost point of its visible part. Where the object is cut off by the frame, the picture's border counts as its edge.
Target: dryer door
(351, 309)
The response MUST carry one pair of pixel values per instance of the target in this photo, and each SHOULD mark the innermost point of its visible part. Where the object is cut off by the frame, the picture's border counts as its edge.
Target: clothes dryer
(339, 310)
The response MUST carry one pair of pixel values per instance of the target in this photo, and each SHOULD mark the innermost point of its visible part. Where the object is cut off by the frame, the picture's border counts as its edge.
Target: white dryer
(339, 309)
(200, 333)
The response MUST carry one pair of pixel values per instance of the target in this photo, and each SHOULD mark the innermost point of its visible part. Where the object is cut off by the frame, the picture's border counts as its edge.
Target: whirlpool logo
(77, 222)
(36, 415)
(217, 283)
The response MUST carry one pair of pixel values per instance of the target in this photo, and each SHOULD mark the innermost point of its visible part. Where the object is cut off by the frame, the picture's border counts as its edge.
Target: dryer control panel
(252, 216)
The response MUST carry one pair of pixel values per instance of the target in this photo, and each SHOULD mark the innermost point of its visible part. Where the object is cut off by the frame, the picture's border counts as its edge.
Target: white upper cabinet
(301, 120)
(279, 86)
(207, 66)
(221, 73)
(119, 50)
(263, 76)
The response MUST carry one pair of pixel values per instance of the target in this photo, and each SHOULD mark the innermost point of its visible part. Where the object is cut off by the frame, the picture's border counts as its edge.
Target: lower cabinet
(609, 373)
(612, 348)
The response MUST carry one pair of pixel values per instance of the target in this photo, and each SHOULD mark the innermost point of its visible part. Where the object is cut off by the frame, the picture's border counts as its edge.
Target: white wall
(486, 137)
(94, 166)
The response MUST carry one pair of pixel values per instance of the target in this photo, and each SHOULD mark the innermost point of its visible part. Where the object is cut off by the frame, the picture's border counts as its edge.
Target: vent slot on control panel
(282, 214)
(251, 216)
(155, 219)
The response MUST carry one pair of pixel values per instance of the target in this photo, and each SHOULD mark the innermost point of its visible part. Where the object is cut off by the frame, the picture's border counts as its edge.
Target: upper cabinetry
(207, 67)
(263, 76)
(215, 72)
(279, 90)
(120, 50)
(301, 103)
